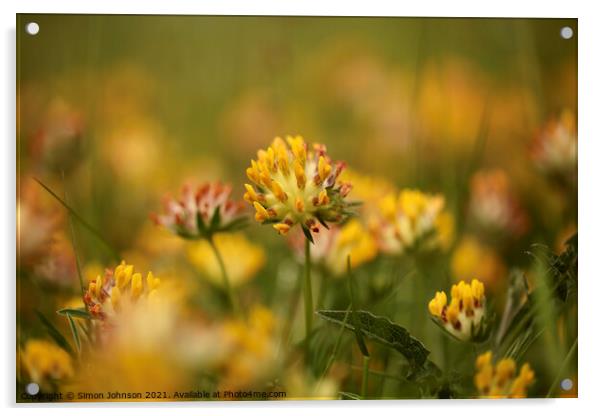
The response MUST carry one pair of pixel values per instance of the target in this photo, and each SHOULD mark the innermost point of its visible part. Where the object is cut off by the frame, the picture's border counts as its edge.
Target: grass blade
(55, 333)
(82, 221)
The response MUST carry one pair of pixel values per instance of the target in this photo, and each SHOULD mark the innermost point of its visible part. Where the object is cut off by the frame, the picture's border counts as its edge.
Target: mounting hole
(32, 389)
(566, 384)
(566, 32)
(32, 28)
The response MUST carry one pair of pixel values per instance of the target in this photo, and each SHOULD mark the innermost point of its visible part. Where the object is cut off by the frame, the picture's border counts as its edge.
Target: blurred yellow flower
(46, 362)
(463, 316)
(367, 189)
(117, 289)
(331, 247)
(501, 380)
(472, 258)
(413, 220)
(251, 346)
(296, 186)
(242, 258)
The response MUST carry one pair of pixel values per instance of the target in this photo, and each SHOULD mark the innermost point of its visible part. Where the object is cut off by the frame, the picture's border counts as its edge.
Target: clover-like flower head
(500, 380)
(118, 288)
(201, 212)
(464, 316)
(331, 248)
(554, 147)
(412, 220)
(294, 185)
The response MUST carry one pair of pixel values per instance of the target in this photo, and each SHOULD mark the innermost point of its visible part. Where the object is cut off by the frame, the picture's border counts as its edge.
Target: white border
(590, 201)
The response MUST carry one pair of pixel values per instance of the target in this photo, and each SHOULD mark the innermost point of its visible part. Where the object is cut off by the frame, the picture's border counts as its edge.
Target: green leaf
(75, 333)
(383, 331)
(55, 333)
(216, 219)
(201, 224)
(75, 312)
(307, 234)
(354, 317)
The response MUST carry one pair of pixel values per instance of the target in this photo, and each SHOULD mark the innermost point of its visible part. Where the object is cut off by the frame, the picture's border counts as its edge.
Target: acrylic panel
(295, 208)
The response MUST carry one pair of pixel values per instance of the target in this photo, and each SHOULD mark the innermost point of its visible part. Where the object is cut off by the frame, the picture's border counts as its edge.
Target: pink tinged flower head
(494, 206)
(292, 185)
(201, 212)
(554, 147)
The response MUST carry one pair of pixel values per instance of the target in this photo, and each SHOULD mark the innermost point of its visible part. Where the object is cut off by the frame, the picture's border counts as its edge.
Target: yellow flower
(463, 316)
(201, 212)
(367, 189)
(251, 345)
(294, 185)
(122, 287)
(46, 362)
(331, 247)
(500, 380)
(471, 258)
(242, 258)
(413, 220)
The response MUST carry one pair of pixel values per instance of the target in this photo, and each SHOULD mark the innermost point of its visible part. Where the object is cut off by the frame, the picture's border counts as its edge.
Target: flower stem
(226, 281)
(365, 373)
(565, 362)
(308, 296)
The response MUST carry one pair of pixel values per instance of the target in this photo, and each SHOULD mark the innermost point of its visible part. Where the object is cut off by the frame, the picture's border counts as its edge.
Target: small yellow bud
(280, 194)
(437, 304)
(323, 197)
(298, 147)
(299, 174)
(283, 160)
(151, 281)
(282, 228)
(115, 297)
(262, 214)
(98, 287)
(250, 196)
(453, 310)
(253, 172)
(324, 168)
(483, 360)
(299, 205)
(505, 370)
(136, 285)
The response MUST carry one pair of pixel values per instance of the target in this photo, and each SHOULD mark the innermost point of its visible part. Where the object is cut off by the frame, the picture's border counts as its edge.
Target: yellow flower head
(473, 258)
(294, 185)
(242, 258)
(46, 362)
(332, 247)
(107, 294)
(463, 316)
(201, 212)
(500, 380)
(412, 220)
(251, 345)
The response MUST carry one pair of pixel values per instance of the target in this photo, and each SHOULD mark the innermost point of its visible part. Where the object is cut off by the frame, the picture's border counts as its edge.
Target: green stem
(568, 357)
(308, 296)
(226, 281)
(365, 373)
